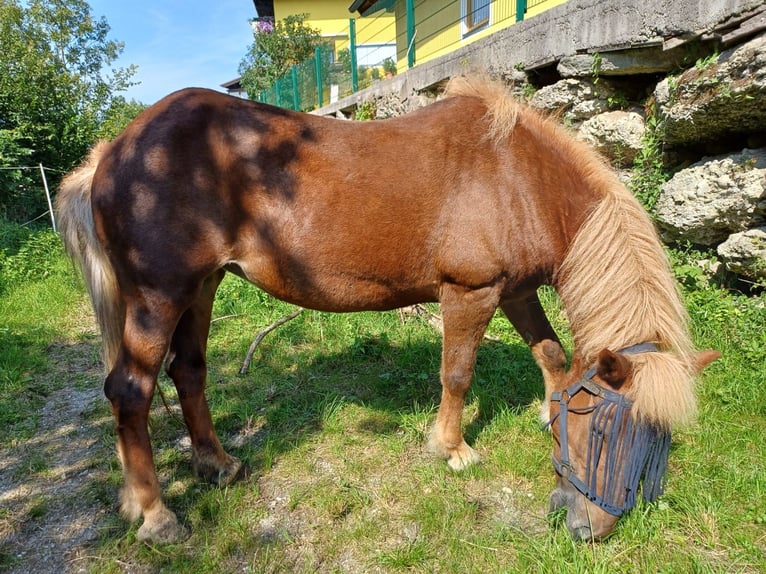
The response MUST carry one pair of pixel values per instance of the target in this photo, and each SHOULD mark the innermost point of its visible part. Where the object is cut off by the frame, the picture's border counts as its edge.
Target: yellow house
(427, 29)
(390, 36)
(374, 41)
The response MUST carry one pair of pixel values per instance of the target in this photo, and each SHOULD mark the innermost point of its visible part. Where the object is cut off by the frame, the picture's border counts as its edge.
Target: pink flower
(264, 26)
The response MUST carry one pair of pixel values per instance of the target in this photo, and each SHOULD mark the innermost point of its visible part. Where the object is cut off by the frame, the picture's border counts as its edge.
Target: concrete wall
(576, 27)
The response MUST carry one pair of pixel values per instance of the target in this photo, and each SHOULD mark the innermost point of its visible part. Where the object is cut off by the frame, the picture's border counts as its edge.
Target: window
(475, 15)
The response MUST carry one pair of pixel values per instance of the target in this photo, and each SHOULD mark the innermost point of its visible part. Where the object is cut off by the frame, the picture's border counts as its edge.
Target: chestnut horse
(484, 201)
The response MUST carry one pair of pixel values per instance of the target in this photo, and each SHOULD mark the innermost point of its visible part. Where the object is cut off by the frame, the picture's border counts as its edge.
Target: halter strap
(642, 450)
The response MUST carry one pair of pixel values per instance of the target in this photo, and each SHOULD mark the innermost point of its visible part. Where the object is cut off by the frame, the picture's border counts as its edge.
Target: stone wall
(692, 104)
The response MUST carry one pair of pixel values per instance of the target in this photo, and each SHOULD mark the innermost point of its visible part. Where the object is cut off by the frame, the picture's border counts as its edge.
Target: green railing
(412, 32)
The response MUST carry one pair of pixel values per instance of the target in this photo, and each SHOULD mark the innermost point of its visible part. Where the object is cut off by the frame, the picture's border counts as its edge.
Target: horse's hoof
(232, 472)
(162, 528)
(463, 457)
(221, 475)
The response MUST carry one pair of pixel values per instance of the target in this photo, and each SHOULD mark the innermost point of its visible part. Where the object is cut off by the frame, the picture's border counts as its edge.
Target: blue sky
(178, 43)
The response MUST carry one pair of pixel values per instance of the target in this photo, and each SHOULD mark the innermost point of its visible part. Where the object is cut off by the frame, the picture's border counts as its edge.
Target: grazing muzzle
(632, 450)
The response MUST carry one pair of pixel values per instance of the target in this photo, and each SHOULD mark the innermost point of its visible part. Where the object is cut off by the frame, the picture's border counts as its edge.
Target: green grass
(332, 418)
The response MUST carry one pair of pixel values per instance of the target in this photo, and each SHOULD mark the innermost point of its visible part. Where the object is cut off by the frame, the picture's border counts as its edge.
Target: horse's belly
(325, 288)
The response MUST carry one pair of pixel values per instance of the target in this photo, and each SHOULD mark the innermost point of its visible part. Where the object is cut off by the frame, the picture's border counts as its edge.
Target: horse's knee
(457, 381)
(129, 396)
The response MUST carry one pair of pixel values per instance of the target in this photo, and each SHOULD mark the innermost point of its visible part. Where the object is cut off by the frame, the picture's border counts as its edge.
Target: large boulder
(714, 198)
(721, 97)
(617, 135)
(574, 98)
(745, 253)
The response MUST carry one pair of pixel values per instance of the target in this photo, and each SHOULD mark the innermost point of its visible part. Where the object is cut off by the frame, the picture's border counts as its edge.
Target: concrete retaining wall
(576, 27)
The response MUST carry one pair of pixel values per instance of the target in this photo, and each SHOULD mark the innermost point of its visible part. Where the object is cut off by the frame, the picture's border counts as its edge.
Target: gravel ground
(52, 505)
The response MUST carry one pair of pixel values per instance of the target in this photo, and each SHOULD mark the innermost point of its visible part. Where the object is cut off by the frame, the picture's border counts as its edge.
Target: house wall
(440, 28)
(331, 18)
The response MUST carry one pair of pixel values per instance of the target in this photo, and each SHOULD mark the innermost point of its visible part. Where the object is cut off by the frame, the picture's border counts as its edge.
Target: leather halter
(632, 449)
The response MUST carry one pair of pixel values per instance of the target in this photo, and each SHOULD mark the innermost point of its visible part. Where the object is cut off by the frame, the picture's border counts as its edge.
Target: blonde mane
(502, 108)
(618, 290)
(615, 281)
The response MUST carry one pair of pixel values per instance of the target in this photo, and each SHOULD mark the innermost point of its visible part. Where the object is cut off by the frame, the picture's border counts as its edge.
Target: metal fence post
(296, 99)
(278, 88)
(521, 7)
(318, 60)
(352, 52)
(48, 196)
(410, 33)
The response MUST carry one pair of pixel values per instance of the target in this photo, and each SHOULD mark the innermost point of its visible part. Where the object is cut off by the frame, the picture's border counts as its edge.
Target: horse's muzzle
(585, 520)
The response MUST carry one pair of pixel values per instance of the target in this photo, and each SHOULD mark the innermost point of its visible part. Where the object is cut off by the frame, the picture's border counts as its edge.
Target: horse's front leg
(466, 314)
(186, 365)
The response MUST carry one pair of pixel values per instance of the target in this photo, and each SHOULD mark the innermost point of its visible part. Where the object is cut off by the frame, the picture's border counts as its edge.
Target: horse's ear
(613, 368)
(703, 359)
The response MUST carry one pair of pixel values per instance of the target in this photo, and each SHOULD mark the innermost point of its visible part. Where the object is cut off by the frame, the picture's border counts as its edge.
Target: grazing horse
(486, 201)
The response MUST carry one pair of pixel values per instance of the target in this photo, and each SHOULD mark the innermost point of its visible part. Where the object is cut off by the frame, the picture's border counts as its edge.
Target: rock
(619, 62)
(617, 135)
(722, 97)
(745, 253)
(578, 99)
(714, 198)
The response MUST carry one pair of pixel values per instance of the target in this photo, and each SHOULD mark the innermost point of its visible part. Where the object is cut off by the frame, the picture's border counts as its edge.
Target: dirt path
(53, 487)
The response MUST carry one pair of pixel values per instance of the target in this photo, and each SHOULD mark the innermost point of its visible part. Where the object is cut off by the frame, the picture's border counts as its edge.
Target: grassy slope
(332, 418)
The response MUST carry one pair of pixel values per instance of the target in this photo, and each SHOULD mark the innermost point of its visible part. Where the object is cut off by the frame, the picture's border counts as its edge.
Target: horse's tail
(75, 220)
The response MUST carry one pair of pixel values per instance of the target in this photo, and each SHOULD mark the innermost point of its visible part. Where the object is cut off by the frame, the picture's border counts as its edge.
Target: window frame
(468, 10)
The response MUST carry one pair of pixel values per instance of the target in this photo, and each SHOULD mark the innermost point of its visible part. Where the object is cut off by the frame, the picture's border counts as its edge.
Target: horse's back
(326, 213)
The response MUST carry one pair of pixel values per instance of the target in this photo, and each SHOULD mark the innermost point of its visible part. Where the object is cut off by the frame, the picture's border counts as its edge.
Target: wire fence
(44, 181)
(399, 36)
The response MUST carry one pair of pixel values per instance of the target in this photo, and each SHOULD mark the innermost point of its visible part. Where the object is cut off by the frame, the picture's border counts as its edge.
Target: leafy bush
(27, 256)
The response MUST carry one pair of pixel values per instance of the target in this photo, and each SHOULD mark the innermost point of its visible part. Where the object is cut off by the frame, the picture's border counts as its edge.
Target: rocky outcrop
(745, 253)
(722, 96)
(708, 116)
(718, 103)
(715, 197)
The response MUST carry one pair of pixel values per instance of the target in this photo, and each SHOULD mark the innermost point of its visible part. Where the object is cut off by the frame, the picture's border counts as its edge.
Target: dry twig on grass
(259, 337)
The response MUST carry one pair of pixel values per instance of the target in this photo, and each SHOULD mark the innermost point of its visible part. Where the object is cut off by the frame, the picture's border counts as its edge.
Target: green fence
(417, 32)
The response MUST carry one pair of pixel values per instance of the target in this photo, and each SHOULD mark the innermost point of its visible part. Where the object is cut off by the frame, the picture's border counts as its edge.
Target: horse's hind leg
(529, 319)
(130, 387)
(186, 365)
(466, 314)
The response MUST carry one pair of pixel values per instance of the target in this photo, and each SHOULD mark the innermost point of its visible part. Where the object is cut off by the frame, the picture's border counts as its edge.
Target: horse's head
(602, 450)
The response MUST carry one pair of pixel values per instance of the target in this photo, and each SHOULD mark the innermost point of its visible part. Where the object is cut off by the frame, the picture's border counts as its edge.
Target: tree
(54, 92)
(277, 46)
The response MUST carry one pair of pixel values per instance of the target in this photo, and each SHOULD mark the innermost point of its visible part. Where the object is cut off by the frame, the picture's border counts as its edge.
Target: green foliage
(54, 93)
(366, 111)
(37, 289)
(389, 66)
(117, 117)
(30, 259)
(648, 170)
(277, 46)
(595, 67)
